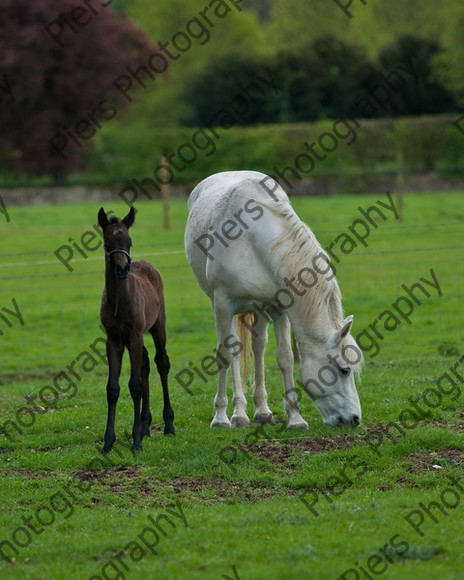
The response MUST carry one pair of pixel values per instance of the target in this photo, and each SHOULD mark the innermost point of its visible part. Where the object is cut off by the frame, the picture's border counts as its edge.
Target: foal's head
(117, 241)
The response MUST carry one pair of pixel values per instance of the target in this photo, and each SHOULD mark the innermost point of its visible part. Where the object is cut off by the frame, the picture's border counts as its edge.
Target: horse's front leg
(135, 347)
(285, 360)
(114, 352)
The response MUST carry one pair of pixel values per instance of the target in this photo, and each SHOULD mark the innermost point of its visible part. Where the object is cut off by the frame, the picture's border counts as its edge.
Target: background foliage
(321, 59)
(57, 83)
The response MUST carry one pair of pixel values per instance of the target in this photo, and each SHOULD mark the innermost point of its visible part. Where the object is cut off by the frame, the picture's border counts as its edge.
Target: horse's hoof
(264, 418)
(170, 432)
(220, 424)
(239, 421)
(298, 425)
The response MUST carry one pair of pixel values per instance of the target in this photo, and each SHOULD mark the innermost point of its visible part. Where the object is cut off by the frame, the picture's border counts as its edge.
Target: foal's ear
(129, 219)
(102, 219)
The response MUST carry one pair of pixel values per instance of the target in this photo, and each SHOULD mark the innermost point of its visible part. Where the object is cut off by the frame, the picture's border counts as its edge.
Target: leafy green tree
(238, 90)
(379, 24)
(163, 104)
(426, 96)
(447, 65)
(325, 78)
(296, 24)
(239, 32)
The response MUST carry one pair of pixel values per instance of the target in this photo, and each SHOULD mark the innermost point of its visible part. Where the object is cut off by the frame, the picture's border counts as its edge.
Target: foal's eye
(345, 371)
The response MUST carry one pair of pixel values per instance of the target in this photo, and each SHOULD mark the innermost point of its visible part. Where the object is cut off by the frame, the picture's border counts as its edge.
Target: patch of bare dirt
(436, 460)
(459, 426)
(283, 452)
(121, 480)
(123, 474)
(27, 473)
(217, 488)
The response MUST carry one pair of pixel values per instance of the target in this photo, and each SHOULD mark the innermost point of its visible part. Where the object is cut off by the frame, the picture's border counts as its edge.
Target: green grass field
(66, 513)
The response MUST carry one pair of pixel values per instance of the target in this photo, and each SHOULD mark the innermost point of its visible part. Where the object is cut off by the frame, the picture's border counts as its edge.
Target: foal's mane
(301, 247)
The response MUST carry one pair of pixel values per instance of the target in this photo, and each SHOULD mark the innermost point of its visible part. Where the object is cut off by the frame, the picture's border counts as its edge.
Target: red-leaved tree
(58, 63)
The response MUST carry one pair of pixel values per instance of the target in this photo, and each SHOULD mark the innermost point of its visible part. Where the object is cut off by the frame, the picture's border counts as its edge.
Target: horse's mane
(301, 247)
(114, 220)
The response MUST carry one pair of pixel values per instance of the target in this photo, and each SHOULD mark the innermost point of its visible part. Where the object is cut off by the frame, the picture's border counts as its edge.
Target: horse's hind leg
(158, 331)
(240, 417)
(226, 357)
(259, 341)
(145, 373)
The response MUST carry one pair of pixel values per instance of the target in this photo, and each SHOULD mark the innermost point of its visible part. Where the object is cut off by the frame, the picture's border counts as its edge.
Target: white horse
(250, 253)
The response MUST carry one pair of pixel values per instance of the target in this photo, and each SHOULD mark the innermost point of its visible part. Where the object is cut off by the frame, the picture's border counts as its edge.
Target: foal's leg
(114, 352)
(146, 415)
(223, 316)
(285, 359)
(158, 331)
(135, 347)
(262, 414)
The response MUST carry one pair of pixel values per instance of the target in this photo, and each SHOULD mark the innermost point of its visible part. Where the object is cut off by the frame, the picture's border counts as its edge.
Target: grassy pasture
(246, 514)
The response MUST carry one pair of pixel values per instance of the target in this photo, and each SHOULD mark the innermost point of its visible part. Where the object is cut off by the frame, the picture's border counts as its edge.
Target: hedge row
(319, 149)
(341, 147)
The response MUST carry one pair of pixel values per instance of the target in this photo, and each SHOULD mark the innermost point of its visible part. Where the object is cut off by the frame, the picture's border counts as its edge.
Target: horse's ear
(102, 219)
(129, 219)
(345, 329)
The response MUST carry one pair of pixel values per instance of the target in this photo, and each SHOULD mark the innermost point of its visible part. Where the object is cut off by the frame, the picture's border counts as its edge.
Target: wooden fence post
(400, 182)
(165, 191)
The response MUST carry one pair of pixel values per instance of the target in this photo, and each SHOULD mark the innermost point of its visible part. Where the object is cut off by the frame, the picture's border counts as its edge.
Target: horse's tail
(295, 349)
(243, 323)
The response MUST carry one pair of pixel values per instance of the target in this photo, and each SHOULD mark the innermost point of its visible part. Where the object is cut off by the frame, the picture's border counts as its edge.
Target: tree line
(59, 63)
(323, 80)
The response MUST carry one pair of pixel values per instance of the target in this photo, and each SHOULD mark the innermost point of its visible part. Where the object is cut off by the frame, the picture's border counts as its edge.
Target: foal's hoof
(107, 446)
(264, 418)
(169, 431)
(239, 421)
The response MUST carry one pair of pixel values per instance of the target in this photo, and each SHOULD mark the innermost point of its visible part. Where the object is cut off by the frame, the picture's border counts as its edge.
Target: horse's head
(327, 373)
(117, 241)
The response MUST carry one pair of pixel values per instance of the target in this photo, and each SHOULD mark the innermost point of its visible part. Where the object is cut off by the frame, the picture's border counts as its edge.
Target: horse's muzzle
(122, 270)
(334, 420)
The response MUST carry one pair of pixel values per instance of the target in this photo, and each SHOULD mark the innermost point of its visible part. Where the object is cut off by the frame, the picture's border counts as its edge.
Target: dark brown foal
(132, 304)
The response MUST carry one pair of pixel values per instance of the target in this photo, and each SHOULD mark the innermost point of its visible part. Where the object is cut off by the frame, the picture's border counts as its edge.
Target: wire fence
(53, 297)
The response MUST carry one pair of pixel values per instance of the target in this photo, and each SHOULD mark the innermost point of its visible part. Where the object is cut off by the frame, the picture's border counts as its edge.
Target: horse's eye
(345, 371)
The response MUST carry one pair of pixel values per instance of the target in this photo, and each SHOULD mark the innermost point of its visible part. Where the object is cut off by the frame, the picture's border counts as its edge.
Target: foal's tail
(243, 323)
